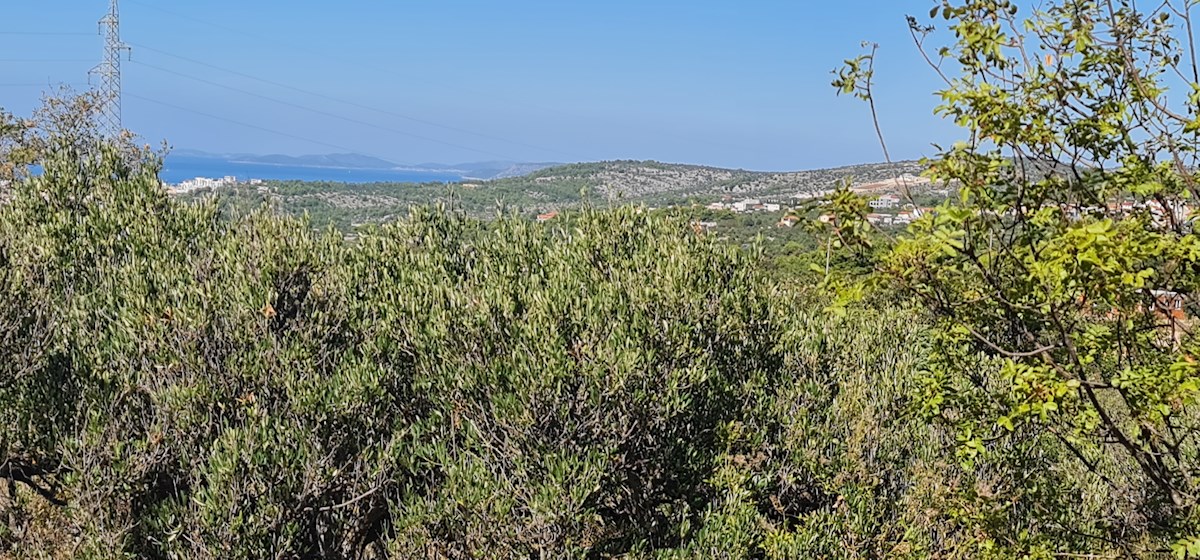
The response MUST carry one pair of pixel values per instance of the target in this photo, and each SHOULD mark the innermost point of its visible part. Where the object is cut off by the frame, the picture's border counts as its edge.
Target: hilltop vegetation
(1012, 375)
(553, 189)
(182, 386)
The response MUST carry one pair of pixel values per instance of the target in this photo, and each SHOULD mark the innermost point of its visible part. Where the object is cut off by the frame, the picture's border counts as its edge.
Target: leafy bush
(1069, 258)
(187, 387)
(178, 385)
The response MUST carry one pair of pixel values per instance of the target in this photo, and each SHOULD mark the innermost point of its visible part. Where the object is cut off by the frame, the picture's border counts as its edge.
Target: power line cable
(48, 33)
(252, 126)
(187, 17)
(43, 84)
(43, 60)
(295, 46)
(323, 113)
(360, 105)
(304, 48)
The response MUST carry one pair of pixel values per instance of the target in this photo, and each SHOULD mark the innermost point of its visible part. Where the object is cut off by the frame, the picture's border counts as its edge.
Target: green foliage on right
(1062, 275)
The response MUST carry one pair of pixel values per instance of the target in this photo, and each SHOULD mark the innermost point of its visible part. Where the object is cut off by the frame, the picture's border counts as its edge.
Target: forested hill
(654, 181)
(552, 189)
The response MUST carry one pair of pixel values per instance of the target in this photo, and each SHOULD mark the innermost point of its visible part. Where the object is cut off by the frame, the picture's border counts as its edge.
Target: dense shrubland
(992, 383)
(182, 386)
(177, 385)
(1068, 260)
(565, 187)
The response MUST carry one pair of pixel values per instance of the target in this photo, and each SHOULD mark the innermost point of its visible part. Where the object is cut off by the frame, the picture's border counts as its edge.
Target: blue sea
(177, 169)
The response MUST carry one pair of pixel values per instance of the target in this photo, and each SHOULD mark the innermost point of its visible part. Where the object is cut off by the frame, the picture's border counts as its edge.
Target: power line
(43, 60)
(185, 16)
(109, 71)
(46, 33)
(323, 113)
(304, 48)
(359, 105)
(248, 125)
(57, 84)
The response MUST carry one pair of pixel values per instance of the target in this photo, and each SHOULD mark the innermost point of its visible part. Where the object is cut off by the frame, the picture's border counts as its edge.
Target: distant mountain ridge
(666, 183)
(481, 170)
(346, 161)
(564, 187)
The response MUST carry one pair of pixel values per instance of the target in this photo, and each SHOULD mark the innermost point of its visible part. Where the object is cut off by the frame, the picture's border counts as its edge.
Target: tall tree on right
(1062, 273)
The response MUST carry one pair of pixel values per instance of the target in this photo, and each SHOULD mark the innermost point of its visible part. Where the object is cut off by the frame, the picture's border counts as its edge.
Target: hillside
(555, 188)
(660, 182)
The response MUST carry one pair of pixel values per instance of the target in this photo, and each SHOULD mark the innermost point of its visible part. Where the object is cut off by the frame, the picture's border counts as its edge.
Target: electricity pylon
(108, 73)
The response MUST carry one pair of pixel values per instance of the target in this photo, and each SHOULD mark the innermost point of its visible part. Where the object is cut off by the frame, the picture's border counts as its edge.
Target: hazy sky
(738, 83)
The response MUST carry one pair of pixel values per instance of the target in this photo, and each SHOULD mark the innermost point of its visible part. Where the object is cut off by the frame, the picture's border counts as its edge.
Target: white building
(746, 205)
(886, 201)
(879, 219)
(205, 183)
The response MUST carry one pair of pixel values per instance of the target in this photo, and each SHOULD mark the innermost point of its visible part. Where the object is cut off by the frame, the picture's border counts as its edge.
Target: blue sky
(732, 83)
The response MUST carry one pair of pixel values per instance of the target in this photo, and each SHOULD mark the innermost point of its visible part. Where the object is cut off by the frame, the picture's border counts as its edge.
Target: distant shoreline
(177, 169)
(339, 167)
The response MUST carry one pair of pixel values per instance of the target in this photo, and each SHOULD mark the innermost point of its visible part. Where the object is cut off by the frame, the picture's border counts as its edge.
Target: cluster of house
(1162, 215)
(207, 183)
(787, 221)
(904, 217)
(1173, 213)
(746, 206)
(885, 201)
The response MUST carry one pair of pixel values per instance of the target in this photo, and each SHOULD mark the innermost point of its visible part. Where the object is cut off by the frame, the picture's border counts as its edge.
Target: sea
(177, 169)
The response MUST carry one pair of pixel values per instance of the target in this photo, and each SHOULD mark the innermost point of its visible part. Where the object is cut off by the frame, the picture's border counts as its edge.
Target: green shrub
(180, 385)
(442, 387)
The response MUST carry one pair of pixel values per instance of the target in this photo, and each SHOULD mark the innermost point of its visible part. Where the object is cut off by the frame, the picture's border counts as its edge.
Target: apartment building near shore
(201, 183)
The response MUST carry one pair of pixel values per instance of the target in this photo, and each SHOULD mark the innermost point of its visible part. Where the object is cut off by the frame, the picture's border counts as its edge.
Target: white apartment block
(886, 201)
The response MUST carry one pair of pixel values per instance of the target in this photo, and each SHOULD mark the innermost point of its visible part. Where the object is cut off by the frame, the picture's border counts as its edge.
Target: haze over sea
(177, 169)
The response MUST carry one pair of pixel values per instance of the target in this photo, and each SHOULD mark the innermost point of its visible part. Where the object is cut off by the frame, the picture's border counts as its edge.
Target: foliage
(184, 386)
(180, 385)
(1040, 264)
(349, 206)
(63, 119)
